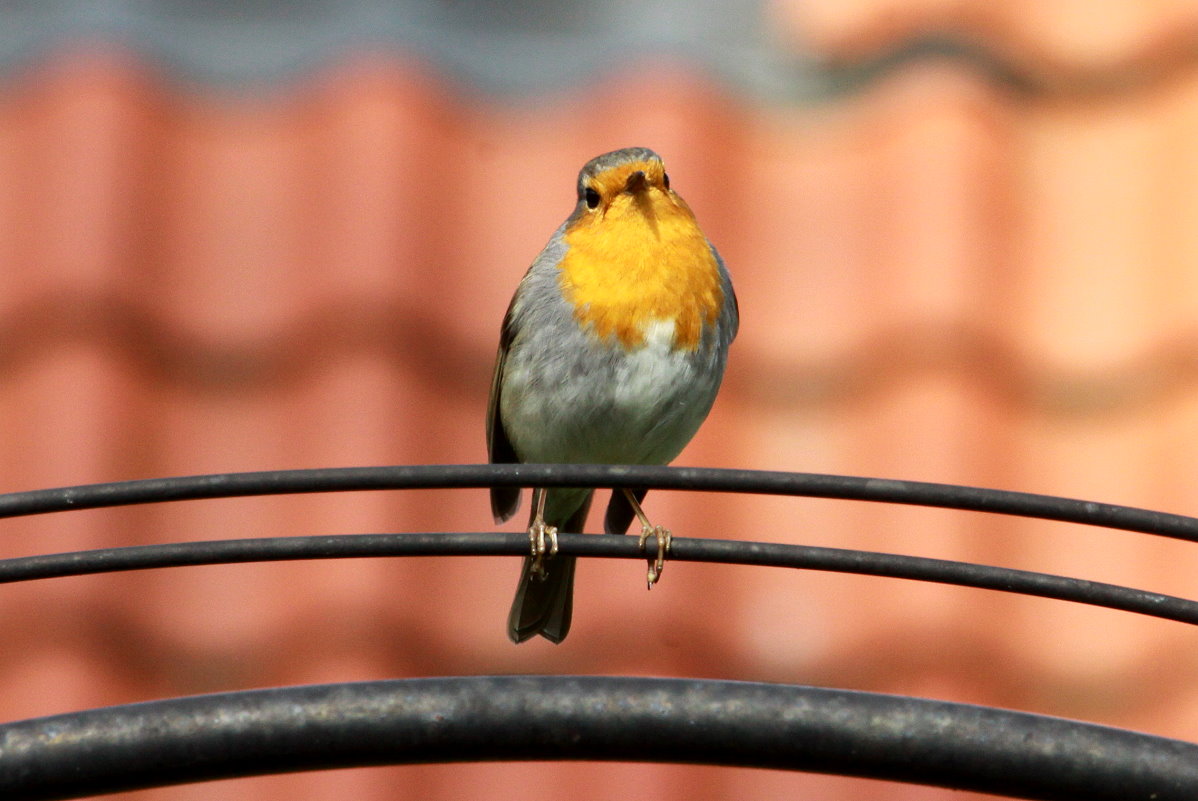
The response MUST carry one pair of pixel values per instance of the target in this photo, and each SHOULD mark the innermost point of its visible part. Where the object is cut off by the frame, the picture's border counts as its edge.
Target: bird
(612, 351)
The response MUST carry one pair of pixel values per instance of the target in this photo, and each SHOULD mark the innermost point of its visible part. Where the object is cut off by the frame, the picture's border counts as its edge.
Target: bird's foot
(664, 538)
(543, 542)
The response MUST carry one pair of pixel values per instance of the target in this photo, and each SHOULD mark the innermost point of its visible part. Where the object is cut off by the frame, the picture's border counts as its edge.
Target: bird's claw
(543, 542)
(658, 563)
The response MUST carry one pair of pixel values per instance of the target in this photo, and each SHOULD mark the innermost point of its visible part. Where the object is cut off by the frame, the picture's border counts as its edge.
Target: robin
(611, 352)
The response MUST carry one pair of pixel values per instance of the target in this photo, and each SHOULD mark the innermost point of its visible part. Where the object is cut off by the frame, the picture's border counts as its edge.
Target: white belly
(608, 406)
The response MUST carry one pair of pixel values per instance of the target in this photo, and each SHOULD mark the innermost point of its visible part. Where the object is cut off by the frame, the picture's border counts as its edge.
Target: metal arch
(517, 718)
(761, 554)
(866, 735)
(394, 477)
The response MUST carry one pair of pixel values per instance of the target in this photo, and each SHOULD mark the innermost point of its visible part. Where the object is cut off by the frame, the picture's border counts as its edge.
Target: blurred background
(257, 235)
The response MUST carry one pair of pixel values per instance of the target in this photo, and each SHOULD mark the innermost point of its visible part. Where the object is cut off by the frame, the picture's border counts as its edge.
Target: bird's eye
(665, 180)
(592, 198)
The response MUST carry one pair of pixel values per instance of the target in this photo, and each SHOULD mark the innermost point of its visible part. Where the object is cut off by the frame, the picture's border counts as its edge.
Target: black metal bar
(278, 482)
(144, 557)
(469, 719)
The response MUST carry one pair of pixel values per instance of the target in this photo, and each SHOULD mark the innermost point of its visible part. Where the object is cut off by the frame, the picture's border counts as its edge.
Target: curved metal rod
(965, 574)
(278, 482)
(488, 718)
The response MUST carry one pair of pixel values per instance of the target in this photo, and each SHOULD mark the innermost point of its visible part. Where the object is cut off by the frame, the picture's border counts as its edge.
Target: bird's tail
(544, 605)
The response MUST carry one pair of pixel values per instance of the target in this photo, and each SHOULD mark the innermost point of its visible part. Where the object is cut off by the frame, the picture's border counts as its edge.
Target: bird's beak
(636, 183)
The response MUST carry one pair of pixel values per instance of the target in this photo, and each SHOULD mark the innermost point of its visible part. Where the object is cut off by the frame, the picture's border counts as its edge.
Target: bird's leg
(660, 533)
(538, 533)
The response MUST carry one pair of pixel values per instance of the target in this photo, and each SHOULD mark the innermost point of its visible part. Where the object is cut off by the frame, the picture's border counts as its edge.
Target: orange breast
(640, 261)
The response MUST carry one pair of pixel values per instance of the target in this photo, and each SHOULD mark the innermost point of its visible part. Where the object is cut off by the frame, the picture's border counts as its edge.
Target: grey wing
(732, 318)
(504, 500)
